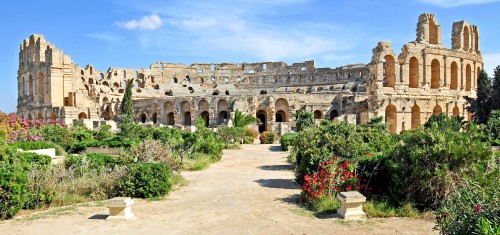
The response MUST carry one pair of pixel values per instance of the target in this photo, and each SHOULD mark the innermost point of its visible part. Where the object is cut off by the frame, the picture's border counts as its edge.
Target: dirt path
(245, 193)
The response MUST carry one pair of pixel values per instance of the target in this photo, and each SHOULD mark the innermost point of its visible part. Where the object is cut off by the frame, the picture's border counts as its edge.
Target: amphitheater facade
(406, 89)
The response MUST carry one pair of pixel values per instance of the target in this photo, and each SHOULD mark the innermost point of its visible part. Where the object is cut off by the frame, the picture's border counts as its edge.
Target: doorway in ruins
(222, 117)
(187, 118)
(206, 118)
(262, 116)
(170, 119)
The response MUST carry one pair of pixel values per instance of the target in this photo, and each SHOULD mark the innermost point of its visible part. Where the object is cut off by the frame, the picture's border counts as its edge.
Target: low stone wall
(49, 152)
(103, 149)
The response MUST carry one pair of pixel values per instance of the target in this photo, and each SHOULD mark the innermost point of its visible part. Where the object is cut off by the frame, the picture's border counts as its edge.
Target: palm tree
(240, 119)
(304, 119)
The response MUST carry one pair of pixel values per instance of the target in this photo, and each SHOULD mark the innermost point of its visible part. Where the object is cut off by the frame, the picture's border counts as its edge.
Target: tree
(305, 119)
(230, 134)
(495, 90)
(240, 119)
(481, 106)
(127, 106)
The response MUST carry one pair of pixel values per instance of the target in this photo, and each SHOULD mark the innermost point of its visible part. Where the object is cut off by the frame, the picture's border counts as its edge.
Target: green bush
(425, 164)
(287, 140)
(472, 209)
(247, 140)
(36, 145)
(268, 137)
(230, 134)
(92, 160)
(145, 180)
(33, 158)
(251, 133)
(13, 189)
(55, 133)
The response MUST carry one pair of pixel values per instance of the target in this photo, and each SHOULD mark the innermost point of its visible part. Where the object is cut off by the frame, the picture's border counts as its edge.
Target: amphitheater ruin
(406, 89)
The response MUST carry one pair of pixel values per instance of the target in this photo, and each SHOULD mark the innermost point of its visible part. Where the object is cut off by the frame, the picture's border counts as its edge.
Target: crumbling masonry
(406, 90)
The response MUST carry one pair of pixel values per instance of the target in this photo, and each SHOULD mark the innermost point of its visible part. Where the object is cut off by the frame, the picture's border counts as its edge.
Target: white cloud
(455, 3)
(151, 22)
(491, 61)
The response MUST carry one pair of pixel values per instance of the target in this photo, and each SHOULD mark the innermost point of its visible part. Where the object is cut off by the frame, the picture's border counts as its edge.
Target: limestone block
(351, 205)
(120, 208)
(49, 152)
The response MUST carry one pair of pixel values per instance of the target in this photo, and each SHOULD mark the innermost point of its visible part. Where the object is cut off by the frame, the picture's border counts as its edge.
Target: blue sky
(135, 34)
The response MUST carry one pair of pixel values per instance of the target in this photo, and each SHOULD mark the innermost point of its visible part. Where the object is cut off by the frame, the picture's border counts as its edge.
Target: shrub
(13, 189)
(247, 140)
(91, 160)
(305, 119)
(145, 180)
(104, 133)
(251, 133)
(55, 133)
(470, 210)
(33, 158)
(37, 145)
(230, 134)
(205, 141)
(267, 137)
(153, 151)
(287, 140)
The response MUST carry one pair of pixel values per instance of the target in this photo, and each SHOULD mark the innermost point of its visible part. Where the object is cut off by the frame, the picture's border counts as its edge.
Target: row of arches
(436, 77)
(391, 116)
(27, 87)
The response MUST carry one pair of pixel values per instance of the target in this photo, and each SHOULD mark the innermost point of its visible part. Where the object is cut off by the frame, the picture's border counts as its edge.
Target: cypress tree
(495, 90)
(481, 106)
(127, 106)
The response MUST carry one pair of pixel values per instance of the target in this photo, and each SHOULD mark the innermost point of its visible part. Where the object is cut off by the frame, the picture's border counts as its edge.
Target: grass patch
(325, 205)
(303, 211)
(197, 163)
(384, 209)
(233, 146)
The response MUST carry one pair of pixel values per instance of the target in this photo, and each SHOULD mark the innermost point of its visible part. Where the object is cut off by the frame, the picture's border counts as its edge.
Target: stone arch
(281, 105)
(437, 110)
(414, 75)
(105, 84)
(174, 80)
(41, 86)
(454, 76)
(30, 117)
(263, 92)
(468, 79)
(53, 116)
(101, 76)
(91, 81)
(456, 111)
(185, 113)
(143, 117)
(30, 85)
(40, 116)
(154, 117)
(391, 118)
(389, 71)
(466, 36)
(222, 111)
(333, 115)
(206, 117)
(435, 74)
(170, 119)
(203, 106)
(318, 114)
(262, 117)
(415, 116)
(82, 115)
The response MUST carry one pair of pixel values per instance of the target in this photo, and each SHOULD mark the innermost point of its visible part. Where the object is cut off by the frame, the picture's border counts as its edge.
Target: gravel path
(250, 191)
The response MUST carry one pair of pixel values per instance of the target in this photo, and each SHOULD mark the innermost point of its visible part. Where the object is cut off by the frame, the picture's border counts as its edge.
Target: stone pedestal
(351, 205)
(120, 208)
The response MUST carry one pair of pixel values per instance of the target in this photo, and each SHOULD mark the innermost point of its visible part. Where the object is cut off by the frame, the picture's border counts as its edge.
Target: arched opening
(187, 118)
(391, 118)
(476, 39)
(262, 116)
(415, 116)
(53, 116)
(170, 119)
(154, 118)
(468, 75)
(30, 87)
(222, 111)
(206, 117)
(91, 81)
(437, 110)
(280, 116)
(105, 83)
(215, 93)
(413, 73)
(124, 74)
(223, 117)
(101, 76)
(466, 36)
(30, 117)
(435, 72)
(389, 71)
(318, 114)
(433, 32)
(226, 92)
(82, 115)
(143, 117)
(174, 80)
(40, 116)
(456, 111)
(41, 86)
(282, 105)
(333, 115)
(454, 76)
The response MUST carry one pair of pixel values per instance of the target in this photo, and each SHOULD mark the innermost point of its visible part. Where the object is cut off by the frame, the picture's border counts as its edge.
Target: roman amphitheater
(406, 89)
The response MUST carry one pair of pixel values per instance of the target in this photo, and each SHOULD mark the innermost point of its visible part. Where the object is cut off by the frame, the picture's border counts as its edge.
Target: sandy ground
(250, 191)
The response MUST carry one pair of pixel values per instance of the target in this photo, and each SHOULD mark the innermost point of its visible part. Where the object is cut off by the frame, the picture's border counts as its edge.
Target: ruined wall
(425, 78)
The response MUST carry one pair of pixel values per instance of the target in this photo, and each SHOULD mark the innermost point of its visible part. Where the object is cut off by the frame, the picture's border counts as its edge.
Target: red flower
(368, 155)
(348, 187)
(477, 208)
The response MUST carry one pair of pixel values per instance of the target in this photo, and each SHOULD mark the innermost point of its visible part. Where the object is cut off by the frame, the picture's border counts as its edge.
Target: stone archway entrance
(262, 116)
(206, 117)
